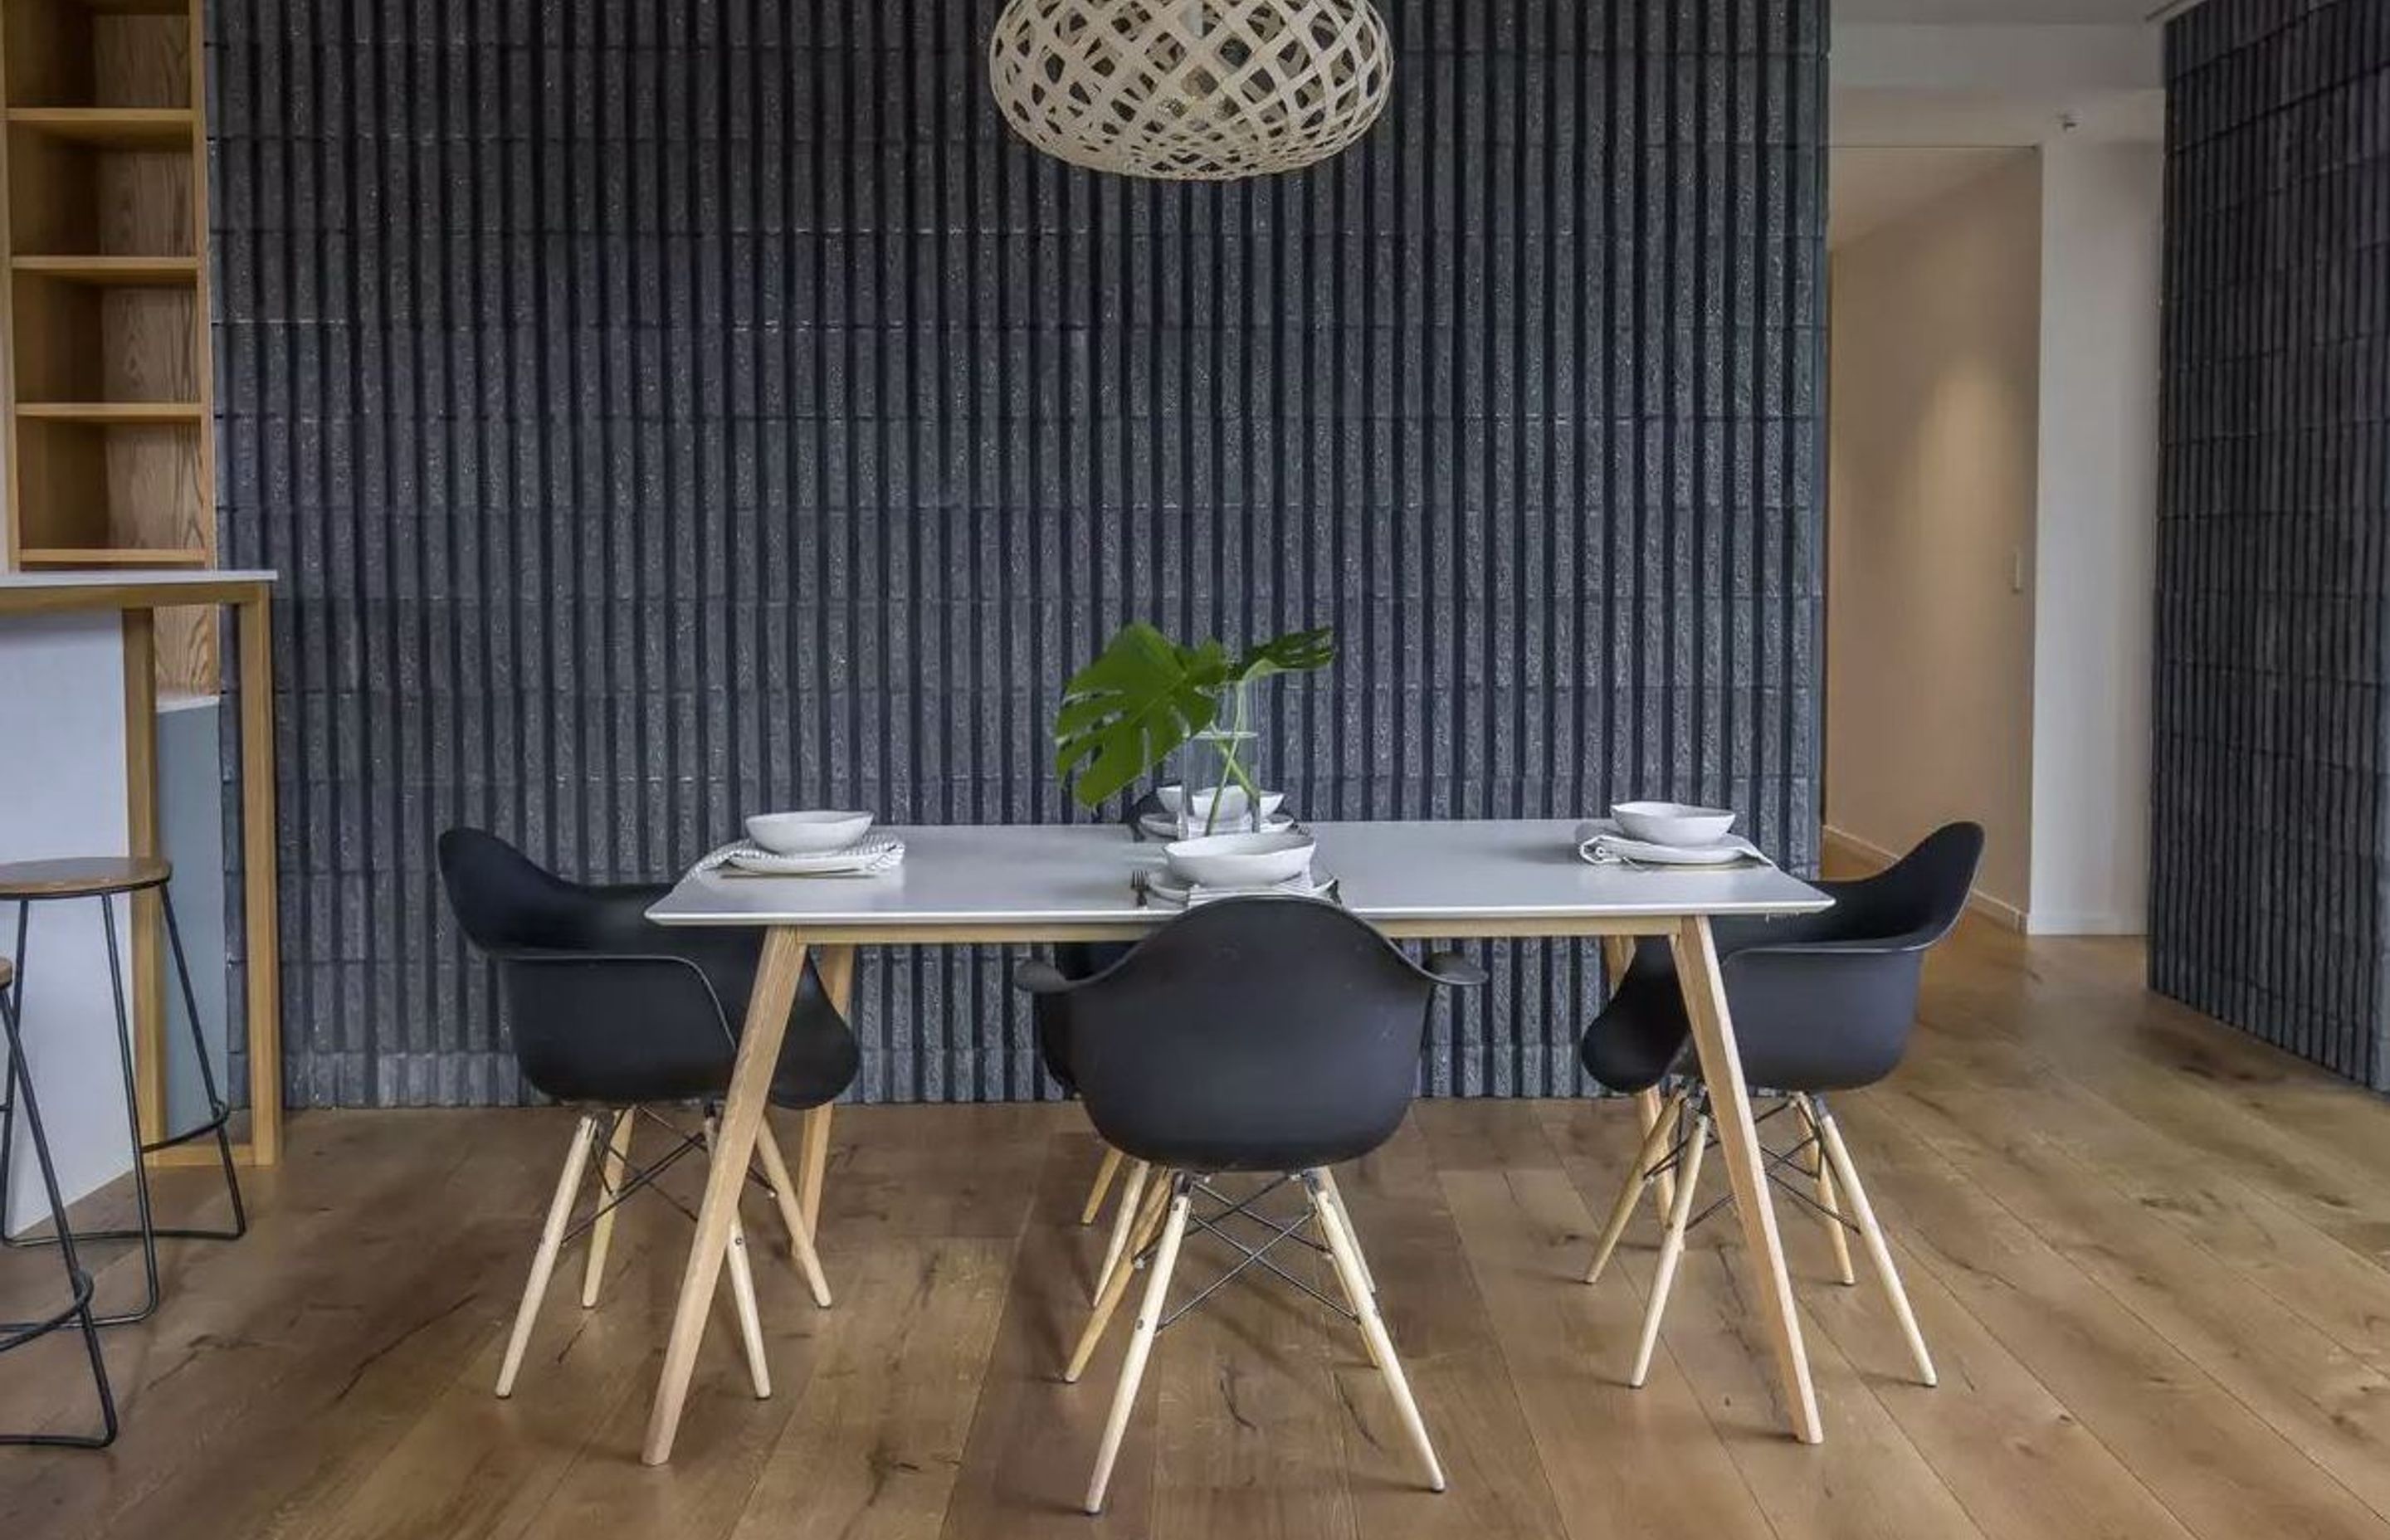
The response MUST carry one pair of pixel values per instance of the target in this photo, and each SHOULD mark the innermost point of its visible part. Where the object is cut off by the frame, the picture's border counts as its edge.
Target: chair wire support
(1776, 1162)
(637, 1177)
(1278, 1232)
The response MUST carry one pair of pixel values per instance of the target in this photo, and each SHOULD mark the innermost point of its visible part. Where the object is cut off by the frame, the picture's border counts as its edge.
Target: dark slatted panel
(2271, 847)
(663, 412)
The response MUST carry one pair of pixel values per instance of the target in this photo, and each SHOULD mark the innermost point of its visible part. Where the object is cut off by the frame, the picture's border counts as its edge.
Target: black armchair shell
(1250, 1034)
(607, 1006)
(1821, 1001)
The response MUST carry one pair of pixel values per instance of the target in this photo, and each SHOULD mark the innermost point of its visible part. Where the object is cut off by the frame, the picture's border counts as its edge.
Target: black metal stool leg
(15, 993)
(79, 1283)
(147, 1232)
(219, 1110)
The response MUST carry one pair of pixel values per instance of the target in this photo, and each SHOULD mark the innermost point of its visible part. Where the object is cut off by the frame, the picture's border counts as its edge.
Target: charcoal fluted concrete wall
(2271, 847)
(664, 412)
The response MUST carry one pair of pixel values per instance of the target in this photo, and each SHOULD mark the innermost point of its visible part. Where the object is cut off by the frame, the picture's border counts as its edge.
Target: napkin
(1157, 890)
(869, 857)
(1601, 841)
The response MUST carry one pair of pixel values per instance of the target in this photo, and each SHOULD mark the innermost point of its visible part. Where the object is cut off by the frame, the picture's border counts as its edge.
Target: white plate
(867, 857)
(1601, 841)
(1161, 888)
(1162, 825)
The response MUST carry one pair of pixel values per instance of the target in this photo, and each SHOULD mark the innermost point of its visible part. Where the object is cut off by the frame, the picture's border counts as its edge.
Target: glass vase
(1218, 791)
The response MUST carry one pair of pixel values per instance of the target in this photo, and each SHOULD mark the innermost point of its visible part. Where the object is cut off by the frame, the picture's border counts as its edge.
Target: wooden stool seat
(82, 877)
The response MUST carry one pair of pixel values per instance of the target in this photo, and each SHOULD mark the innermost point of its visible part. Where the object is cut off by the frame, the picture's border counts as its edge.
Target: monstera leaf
(1125, 712)
(1296, 652)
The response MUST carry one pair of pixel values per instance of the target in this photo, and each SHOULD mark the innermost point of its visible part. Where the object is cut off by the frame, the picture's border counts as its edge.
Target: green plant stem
(1232, 768)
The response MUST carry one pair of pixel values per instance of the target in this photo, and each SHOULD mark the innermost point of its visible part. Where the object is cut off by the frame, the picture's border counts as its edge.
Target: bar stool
(103, 877)
(79, 1286)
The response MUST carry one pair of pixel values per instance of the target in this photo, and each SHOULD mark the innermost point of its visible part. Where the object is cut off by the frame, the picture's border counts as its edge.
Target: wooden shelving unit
(104, 294)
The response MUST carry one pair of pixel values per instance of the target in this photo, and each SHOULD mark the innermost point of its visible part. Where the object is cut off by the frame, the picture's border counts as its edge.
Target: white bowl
(1673, 823)
(1240, 860)
(807, 833)
(1232, 800)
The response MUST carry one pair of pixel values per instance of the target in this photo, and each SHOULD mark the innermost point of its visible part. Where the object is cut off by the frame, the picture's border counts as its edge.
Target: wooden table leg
(259, 909)
(836, 965)
(141, 839)
(1617, 952)
(1697, 968)
(743, 1113)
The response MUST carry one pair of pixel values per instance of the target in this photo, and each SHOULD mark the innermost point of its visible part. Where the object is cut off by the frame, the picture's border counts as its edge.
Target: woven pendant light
(1190, 90)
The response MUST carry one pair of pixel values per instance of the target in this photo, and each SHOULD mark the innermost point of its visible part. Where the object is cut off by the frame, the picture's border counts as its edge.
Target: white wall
(2096, 535)
(63, 793)
(1935, 427)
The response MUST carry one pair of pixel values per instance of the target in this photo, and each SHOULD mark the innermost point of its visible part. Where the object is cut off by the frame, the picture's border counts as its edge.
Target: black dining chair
(1822, 1003)
(1272, 1035)
(622, 1017)
(1052, 1019)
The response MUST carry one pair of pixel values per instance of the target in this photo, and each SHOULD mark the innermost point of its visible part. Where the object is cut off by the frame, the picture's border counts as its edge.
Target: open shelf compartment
(86, 487)
(98, 54)
(69, 198)
(119, 343)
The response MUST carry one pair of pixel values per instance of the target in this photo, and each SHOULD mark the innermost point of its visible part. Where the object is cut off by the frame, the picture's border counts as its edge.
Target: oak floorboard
(1445, 1335)
(2005, 1446)
(873, 1446)
(277, 1330)
(1032, 1438)
(2328, 1402)
(1620, 1461)
(2219, 1467)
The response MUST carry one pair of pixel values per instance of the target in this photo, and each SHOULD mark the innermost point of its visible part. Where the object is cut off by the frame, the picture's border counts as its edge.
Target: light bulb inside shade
(1215, 90)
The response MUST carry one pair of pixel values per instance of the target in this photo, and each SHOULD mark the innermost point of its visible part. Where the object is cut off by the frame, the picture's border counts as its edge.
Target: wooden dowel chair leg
(609, 1184)
(1103, 1184)
(793, 1216)
(1671, 1247)
(1878, 1250)
(1151, 1214)
(1655, 1143)
(1336, 1199)
(1352, 1272)
(1824, 1171)
(1132, 1194)
(1140, 1346)
(551, 1237)
(1654, 1109)
(750, 1320)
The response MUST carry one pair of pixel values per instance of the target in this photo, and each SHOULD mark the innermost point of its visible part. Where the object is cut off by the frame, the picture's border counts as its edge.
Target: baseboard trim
(1998, 911)
(2047, 922)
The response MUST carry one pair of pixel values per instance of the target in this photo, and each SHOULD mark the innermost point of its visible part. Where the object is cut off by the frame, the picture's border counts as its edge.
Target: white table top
(1486, 877)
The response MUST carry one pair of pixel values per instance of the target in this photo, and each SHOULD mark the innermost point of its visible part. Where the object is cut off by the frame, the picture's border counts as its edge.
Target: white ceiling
(2017, 13)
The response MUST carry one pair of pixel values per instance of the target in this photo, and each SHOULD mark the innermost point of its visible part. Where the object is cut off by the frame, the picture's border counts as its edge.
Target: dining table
(1020, 884)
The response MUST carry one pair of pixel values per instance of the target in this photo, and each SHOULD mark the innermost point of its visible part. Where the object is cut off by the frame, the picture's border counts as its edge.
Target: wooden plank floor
(2149, 1256)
